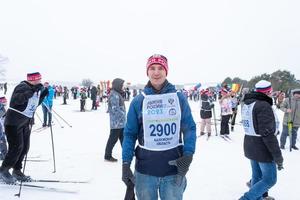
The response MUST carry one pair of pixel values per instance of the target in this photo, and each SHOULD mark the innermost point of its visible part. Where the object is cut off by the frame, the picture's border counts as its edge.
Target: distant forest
(281, 80)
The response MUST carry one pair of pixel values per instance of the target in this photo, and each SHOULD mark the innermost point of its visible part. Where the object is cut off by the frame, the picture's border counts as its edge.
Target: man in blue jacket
(160, 120)
(47, 105)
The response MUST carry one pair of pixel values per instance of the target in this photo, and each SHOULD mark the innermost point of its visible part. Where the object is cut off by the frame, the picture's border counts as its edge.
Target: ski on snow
(37, 130)
(207, 137)
(226, 138)
(41, 187)
(56, 181)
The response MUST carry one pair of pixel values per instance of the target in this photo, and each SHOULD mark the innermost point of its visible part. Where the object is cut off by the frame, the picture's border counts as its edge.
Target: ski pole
(20, 188)
(53, 152)
(215, 121)
(52, 140)
(62, 118)
(61, 126)
(290, 122)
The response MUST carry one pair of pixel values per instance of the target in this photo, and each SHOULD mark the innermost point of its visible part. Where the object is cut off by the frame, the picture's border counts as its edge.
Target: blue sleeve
(188, 127)
(130, 132)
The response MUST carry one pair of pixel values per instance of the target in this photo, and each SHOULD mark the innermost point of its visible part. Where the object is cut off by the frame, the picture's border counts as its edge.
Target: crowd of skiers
(159, 119)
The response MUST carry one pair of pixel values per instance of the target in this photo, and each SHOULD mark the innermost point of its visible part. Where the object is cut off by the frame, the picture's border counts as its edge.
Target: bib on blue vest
(161, 122)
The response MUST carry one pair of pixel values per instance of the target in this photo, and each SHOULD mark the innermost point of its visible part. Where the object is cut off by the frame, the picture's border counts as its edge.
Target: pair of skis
(207, 138)
(40, 129)
(226, 138)
(46, 188)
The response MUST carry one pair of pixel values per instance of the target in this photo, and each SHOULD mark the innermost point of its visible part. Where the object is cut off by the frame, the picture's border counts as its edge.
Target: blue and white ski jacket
(155, 163)
(48, 100)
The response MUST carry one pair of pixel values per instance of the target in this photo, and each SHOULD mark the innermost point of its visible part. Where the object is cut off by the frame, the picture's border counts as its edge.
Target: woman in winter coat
(226, 110)
(205, 113)
(117, 117)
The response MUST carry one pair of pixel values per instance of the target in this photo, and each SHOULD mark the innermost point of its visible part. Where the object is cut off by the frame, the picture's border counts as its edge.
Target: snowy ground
(219, 170)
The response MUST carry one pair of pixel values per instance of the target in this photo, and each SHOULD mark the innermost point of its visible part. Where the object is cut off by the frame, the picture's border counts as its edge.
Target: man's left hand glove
(183, 163)
(127, 175)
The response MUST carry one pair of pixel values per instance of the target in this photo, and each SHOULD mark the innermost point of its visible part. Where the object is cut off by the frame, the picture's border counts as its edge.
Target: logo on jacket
(172, 111)
(171, 101)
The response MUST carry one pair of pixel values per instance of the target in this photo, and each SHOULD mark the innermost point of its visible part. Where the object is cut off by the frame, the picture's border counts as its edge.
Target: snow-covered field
(219, 170)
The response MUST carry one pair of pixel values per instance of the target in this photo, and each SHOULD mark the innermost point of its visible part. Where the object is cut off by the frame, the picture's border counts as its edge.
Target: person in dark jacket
(260, 143)
(291, 108)
(117, 116)
(205, 113)
(83, 98)
(3, 140)
(94, 93)
(5, 88)
(25, 98)
(65, 95)
(160, 119)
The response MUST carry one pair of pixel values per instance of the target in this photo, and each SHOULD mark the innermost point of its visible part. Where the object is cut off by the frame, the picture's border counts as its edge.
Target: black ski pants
(233, 116)
(225, 125)
(82, 104)
(94, 106)
(18, 139)
(114, 135)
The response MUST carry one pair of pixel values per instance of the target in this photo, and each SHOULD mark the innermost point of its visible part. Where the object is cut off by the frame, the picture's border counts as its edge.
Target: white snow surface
(219, 170)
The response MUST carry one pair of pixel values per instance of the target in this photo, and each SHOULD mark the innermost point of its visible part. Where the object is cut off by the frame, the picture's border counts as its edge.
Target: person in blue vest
(161, 122)
(47, 105)
(25, 98)
(261, 146)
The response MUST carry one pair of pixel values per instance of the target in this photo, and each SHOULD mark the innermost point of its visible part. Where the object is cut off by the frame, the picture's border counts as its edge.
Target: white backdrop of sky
(204, 41)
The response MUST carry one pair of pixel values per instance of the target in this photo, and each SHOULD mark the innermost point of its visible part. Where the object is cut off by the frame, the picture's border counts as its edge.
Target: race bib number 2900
(161, 120)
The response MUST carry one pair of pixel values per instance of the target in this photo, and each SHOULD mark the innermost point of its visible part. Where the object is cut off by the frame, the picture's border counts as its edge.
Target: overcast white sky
(204, 40)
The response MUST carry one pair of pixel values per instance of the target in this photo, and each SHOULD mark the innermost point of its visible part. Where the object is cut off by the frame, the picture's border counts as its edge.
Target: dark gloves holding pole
(127, 175)
(128, 179)
(183, 163)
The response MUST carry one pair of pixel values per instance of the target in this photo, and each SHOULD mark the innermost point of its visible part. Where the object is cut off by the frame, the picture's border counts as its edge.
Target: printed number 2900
(159, 129)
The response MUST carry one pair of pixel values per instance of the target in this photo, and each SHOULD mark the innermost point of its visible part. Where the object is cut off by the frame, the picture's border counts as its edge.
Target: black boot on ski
(6, 177)
(18, 174)
(295, 148)
(111, 159)
(202, 133)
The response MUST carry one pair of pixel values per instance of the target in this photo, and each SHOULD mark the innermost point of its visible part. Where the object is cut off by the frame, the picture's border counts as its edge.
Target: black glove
(280, 166)
(130, 192)
(127, 175)
(183, 163)
(37, 87)
(279, 163)
(212, 105)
